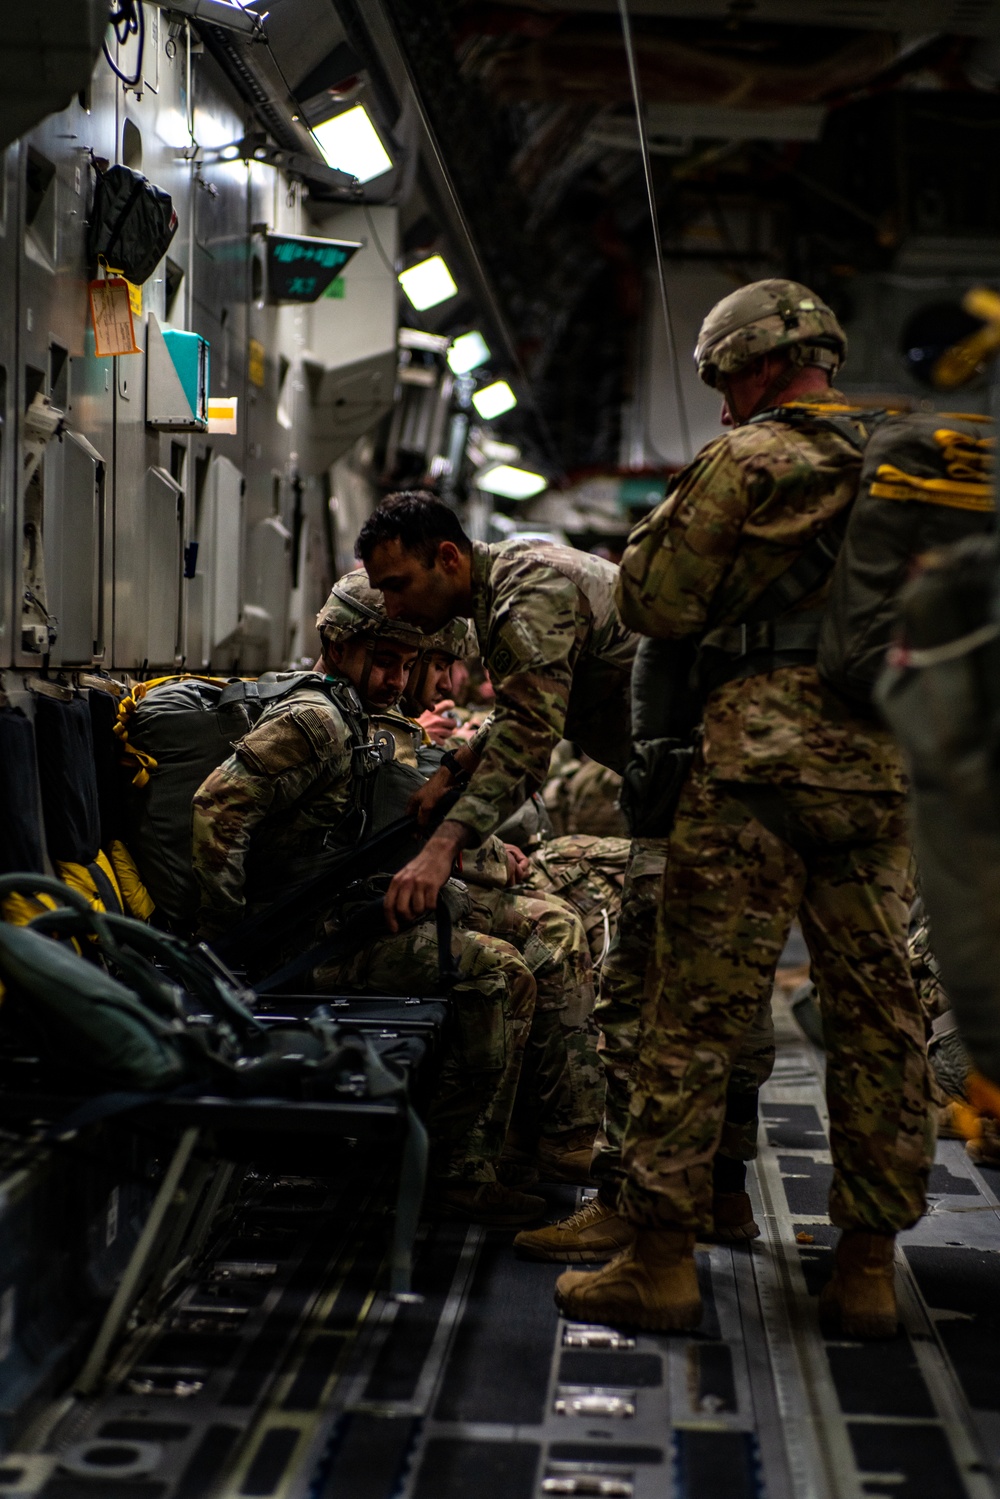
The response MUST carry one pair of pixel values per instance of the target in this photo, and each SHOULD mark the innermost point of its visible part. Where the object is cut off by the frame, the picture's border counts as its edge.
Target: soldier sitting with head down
(560, 1097)
(281, 807)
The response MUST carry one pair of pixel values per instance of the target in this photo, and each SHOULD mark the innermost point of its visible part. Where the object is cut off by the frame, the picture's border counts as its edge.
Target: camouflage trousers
(619, 881)
(562, 1084)
(729, 898)
(588, 873)
(492, 1005)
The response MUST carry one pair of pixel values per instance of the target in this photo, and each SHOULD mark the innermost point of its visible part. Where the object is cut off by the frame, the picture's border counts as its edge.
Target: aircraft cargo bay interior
(499, 770)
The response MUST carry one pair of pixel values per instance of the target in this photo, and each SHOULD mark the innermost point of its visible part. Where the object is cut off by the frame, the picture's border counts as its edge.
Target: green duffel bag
(90, 1029)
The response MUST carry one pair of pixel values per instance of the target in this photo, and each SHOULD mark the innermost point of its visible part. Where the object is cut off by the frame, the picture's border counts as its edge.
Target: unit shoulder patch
(291, 739)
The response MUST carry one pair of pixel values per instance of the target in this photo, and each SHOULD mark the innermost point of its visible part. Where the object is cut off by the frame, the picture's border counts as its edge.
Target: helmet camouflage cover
(355, 609)
(456, 639)
(765, 316)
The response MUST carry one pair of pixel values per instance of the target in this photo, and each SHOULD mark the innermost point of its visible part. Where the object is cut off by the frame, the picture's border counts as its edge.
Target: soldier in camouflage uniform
(589, 874)
(581, 797)
(560, 1096)
(560, 661)
(265, 820)
(829, 784)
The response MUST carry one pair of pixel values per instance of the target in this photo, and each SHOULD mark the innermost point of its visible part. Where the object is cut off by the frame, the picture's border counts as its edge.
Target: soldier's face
(437, 679)
(379, 676)
(422, 594)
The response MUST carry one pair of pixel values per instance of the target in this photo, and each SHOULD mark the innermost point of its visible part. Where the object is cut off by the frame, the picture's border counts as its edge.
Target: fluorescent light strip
(511, 483)
(493, 400)
(428, 283)
(467, 353)
(351, 143)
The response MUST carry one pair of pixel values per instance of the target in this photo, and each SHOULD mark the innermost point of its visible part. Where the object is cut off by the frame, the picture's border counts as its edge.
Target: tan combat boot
(860, 1299)
(653, 1285)
(567, 1157)
(732, 1217)
(563, 1159)
(593, 1234)
(489, 1203)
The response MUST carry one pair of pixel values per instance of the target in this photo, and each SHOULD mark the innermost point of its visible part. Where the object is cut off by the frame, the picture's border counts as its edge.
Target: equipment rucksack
(131, 223)
(180, 729)
(177, 731)
(925, 482)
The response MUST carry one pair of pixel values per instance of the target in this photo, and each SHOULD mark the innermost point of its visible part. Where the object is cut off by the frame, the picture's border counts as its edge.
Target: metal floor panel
(318, 1385)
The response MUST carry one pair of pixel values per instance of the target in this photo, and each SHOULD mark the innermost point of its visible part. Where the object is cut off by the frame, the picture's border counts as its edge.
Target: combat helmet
(356, 609)
(456, 639)
(763, 316)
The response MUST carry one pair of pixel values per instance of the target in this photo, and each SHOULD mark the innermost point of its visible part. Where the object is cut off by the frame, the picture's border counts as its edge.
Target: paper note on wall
(111, 314)
(222, 415)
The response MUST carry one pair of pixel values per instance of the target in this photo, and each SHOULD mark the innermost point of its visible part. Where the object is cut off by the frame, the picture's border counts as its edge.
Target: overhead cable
(668, 323)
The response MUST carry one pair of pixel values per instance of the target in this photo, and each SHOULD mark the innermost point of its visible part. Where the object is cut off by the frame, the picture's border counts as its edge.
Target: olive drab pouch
(652, 784)
(926, 482)
(665, 716)
(132, 223)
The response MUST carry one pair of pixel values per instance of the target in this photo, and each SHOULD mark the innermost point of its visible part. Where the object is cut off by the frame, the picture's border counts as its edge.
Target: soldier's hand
(518, 864)
(414, 890)
(423, 802)
(436, 724)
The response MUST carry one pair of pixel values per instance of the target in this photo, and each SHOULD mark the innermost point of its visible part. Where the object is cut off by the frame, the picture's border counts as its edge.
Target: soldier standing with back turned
(780, 745)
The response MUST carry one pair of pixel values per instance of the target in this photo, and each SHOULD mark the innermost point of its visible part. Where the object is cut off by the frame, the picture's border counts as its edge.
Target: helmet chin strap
(416, 683)
(366, 674)
(779, 384)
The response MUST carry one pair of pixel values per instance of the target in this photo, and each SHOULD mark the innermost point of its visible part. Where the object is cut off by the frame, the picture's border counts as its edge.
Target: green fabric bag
(83, 1021)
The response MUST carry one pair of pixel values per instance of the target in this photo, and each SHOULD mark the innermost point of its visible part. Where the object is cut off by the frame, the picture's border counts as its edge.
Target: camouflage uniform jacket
(735, 519)
(485, 865)
(262, 821)
(560, 661)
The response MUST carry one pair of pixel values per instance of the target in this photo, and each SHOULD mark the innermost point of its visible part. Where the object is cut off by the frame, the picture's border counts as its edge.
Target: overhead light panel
(467, 353)
(351, 143)
(428, 283)
(511, 483)
(493, 400)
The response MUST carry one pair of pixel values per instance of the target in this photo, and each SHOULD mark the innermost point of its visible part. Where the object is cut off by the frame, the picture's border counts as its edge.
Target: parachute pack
(925, 482)
(175, 731)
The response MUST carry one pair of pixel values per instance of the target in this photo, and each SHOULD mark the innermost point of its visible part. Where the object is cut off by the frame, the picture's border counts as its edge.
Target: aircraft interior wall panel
(55, 181)
(151, 492)
(10, 550)
(145, 543)
(272, 443)
(352, 339)
(75, 507)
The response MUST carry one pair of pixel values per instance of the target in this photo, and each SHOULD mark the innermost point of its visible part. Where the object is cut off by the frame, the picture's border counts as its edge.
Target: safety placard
(111, 314)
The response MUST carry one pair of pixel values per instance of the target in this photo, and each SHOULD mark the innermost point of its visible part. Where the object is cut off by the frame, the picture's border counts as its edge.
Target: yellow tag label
(134, 292)
(111, 314)
(255, 362)
(222, 414)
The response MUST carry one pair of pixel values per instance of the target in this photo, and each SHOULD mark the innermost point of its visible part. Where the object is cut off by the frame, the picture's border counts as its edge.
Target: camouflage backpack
(925, 481)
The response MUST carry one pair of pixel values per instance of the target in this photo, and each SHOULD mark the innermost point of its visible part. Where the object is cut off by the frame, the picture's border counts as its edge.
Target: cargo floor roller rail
(275, 1361)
